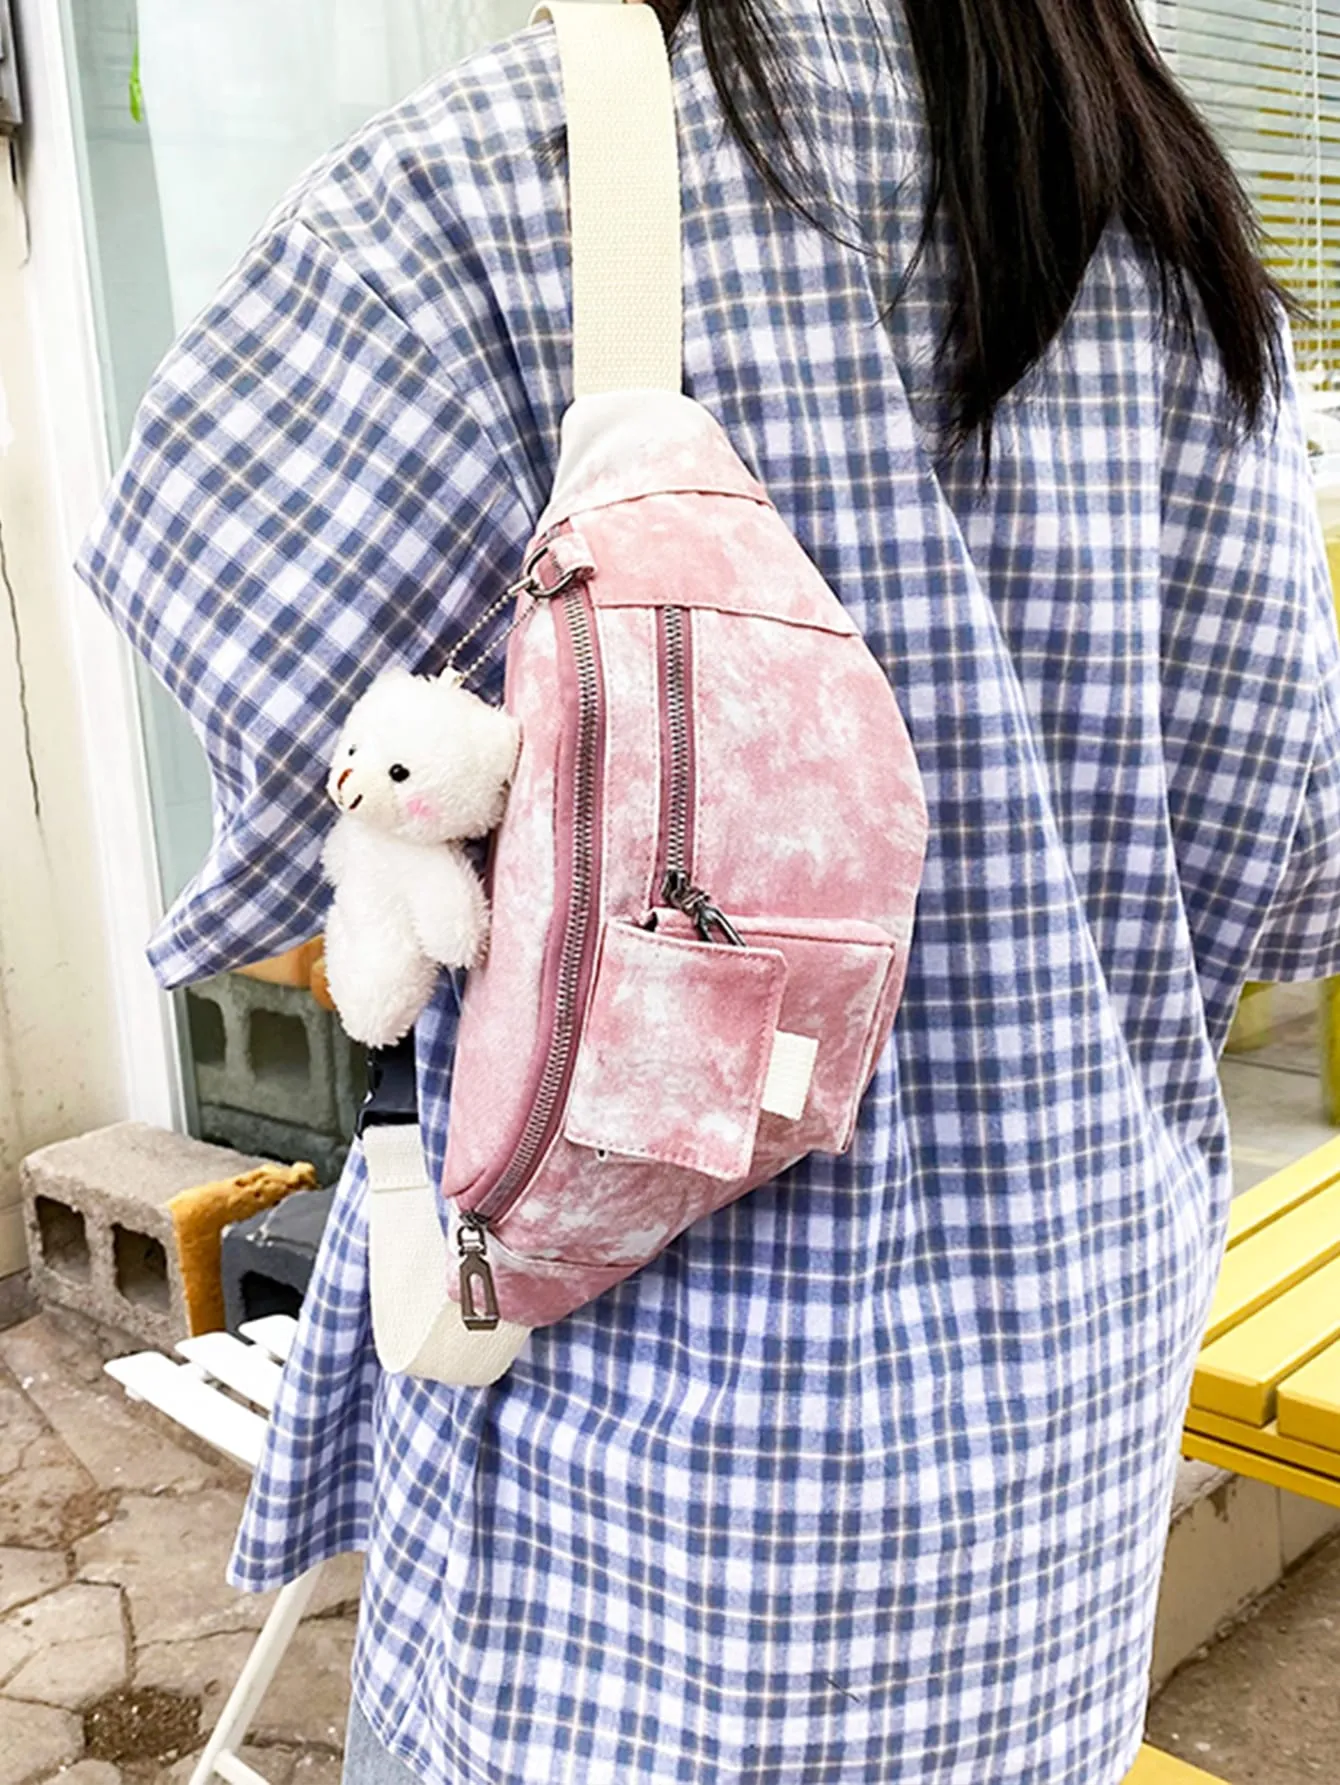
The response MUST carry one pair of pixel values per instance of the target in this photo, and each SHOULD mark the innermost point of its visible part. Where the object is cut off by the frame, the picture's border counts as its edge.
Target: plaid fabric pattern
(866, 1479)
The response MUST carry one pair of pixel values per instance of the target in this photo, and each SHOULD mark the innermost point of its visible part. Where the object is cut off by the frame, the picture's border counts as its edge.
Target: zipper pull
(678, 890)
(479, 1298)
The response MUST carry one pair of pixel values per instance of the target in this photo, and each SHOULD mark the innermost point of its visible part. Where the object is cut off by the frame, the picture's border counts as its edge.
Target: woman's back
(866, 1478)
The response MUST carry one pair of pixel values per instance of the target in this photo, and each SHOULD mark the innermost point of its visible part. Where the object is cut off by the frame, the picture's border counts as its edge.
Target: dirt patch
(140, 1724)
(83, 1513)
(49, 1502)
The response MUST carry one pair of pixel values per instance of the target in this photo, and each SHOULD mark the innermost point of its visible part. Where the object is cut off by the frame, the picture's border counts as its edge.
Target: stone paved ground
(119, 1640)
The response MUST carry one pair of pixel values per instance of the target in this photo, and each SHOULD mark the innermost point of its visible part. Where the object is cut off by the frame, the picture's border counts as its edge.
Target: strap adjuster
(393, 1092)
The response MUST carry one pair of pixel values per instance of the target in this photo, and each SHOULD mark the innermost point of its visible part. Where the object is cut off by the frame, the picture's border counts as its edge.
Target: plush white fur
(407, 900)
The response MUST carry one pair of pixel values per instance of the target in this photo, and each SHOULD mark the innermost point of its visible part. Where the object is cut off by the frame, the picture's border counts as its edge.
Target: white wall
(85, 1035)
(59, 1066)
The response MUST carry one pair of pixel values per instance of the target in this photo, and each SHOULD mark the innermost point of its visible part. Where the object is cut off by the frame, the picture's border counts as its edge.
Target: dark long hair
(1047, 119)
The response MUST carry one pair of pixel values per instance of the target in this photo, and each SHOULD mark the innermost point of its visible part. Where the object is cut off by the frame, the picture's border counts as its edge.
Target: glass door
(193, 118)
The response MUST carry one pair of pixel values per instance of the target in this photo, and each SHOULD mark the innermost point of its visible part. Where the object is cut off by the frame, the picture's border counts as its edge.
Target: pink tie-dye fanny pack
(703, 886)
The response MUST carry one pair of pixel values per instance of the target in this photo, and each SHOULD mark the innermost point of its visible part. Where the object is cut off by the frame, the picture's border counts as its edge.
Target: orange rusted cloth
(199, 1217)
(318, 985)
(293, 967)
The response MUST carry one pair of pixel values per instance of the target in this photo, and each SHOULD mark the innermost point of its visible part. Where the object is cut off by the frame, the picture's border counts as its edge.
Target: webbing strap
(623, 177)
(416, 1325)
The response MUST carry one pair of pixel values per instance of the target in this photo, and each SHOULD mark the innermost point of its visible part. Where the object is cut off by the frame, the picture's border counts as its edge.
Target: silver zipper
(678, 790)
(677, 888)
(580, 925)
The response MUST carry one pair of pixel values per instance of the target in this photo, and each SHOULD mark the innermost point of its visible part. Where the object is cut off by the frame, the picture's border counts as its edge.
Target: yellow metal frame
(1261, 1467)
(1260, 1451)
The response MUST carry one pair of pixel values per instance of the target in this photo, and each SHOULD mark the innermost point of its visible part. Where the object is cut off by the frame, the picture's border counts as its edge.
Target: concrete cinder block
(265, 1048)
(100, 1238)
(273, 1140)
(1303, 1525)
(1230, 1540)
(1223, 1552)
(270, 1052)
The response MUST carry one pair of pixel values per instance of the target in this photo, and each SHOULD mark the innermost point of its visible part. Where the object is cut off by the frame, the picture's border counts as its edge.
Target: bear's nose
(343, 778)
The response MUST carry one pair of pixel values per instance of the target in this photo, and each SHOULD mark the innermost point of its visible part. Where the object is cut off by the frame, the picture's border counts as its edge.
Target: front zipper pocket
(675, 1051)
(731, 1061)
(841, 990)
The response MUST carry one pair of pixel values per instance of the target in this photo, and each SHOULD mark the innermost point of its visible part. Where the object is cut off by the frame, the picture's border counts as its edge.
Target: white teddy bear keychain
(420, 766)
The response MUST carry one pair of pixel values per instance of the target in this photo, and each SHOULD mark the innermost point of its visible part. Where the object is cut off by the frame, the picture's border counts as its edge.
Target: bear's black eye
(352, 750)
(398, 772)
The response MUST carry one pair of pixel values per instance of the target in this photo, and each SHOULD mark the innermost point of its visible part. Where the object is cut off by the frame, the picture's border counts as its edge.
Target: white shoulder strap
(623, 177)
(627, 325)
(416, 1326)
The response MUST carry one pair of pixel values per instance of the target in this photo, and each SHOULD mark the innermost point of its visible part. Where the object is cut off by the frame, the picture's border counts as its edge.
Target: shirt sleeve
(1300, 938)
(307, 499)
(1248, 664)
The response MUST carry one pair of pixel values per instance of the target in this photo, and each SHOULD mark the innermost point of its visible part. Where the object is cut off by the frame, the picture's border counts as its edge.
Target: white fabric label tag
(789, 1073)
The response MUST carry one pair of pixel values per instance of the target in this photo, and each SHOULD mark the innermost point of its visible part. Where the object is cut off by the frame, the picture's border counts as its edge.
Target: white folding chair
(193, 1394)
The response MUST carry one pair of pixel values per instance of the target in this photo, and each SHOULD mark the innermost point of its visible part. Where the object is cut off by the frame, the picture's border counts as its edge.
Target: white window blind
(1266, 73)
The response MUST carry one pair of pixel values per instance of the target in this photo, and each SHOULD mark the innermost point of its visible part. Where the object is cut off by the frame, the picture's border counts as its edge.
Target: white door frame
(74, 425)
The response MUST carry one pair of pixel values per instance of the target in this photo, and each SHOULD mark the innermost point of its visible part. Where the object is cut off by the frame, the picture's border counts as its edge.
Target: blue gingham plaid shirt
(866, 1479)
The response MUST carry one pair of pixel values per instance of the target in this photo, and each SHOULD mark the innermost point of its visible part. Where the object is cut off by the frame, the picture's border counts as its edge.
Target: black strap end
(393, 1095)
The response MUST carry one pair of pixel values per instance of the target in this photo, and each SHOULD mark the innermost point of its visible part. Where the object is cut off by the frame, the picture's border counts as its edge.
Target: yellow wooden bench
(1153, 1768)
(1266, 1397)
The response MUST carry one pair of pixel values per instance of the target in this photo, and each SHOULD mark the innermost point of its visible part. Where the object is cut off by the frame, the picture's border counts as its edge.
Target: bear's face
(424, 759)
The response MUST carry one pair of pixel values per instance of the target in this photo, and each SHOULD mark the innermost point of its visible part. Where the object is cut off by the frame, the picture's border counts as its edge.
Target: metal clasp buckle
(554, 565)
